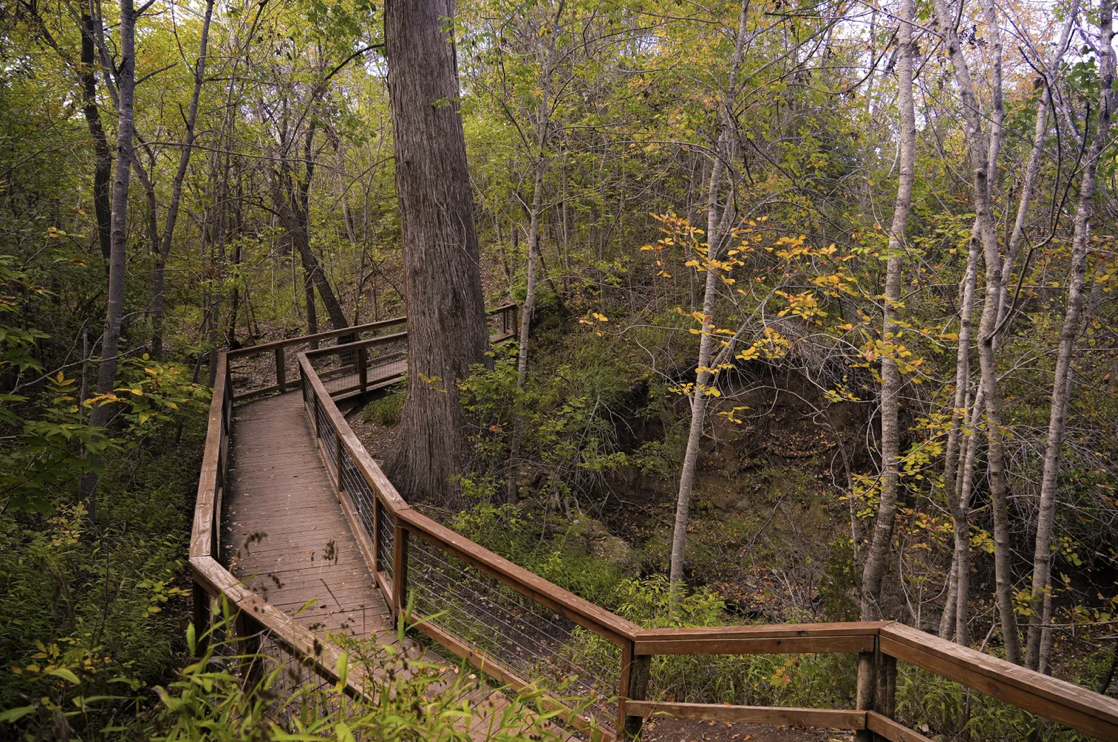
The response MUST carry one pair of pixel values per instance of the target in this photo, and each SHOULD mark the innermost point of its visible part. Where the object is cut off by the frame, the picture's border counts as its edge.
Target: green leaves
(342, 668)
(65, 674)
(15, 714)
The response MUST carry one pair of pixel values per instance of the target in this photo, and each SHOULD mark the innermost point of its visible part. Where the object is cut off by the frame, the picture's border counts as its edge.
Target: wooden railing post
(362, 369)
(314, 414)
(201, 618)
(281, 370)
(215, 522)
(635, 671)
(867, 687)
(399, 570)
(248, 645)
(885, 702)
(376, 540)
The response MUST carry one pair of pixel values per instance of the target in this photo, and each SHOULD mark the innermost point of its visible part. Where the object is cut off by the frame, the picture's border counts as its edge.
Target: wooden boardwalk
(286, 538)
(270, 537)
(284, 532)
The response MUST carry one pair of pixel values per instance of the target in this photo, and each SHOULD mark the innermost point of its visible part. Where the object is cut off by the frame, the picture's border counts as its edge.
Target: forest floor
(375, 437)
(679, 730)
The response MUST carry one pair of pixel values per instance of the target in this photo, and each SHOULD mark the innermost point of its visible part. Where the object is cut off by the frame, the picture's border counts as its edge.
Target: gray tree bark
(542, 126)
(979, 148)
(891, 381)
(956, 438)
(102, 155)
(1069, 333)
(162, 250)
(703, 376)
(447, 330)
(114, 311)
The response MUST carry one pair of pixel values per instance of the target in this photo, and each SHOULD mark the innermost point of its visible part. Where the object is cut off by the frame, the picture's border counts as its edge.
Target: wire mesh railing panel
(334, 366)
(340, 369)
(386, 538)
(254, 372)
(387, 360)
(359, 491)
(502, 323)
(293, 683)
(496, 322)
(532, 640)
(328, 435)
(221, 634)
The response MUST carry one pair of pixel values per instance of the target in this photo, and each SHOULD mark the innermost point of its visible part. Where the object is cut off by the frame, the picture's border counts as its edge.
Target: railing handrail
(1058, 700)
(271, 345)
(213, 581)
(355, 345)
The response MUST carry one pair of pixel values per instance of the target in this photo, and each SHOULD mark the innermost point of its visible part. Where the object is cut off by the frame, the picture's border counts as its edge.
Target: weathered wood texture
(886, 728)
(1039, 694)
(284, 532)
(781, 639)
(830, 718)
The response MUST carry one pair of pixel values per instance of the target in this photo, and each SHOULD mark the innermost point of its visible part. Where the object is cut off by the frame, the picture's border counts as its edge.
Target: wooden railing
(255, 619)
(271, 367)
(522, 629)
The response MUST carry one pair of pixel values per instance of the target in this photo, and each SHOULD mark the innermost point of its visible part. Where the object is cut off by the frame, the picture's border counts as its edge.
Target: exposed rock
(603, 544)
(610, 548)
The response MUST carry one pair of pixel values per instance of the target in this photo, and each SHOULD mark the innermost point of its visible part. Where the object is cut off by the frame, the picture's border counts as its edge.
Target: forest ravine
(816, 320)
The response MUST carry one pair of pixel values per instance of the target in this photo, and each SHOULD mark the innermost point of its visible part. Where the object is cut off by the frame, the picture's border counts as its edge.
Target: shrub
(937, 706)
(562, 559)
(813, 680)
(211, 700)
(385, 410)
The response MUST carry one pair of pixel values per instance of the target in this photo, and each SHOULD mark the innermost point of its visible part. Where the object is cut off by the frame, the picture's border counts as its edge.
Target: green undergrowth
(778, 680)
(936, 706)
(385, 409)
(99, 611)
(561, 557)
(229, 695)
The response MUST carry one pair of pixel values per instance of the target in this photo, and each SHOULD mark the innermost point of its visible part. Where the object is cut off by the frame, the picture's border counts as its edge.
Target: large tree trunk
(891, 381)
(114, 312)
(1069, 333)
(447, 330)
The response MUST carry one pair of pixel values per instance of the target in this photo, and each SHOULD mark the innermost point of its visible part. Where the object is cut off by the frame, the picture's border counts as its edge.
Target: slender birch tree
(717, 224)
(982, 142)
(1063, 377)
(891, 380)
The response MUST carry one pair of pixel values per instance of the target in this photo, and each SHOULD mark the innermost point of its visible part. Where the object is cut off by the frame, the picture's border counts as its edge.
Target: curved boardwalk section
(285, 537)
(303, 516)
